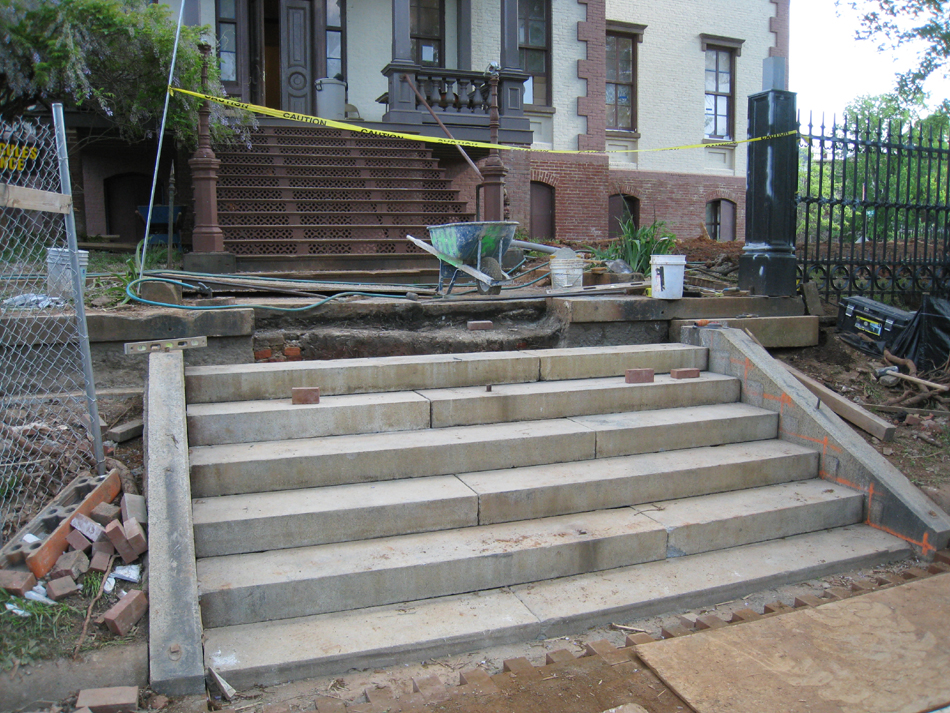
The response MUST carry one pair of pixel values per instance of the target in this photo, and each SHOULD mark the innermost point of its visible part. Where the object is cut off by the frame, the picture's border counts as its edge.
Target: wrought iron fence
(874, 209)
(49, 421)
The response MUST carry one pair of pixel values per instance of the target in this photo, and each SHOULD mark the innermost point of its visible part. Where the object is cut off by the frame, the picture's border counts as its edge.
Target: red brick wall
(580, 193)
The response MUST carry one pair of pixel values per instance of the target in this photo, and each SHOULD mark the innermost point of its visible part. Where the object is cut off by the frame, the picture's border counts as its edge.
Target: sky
(828, 67)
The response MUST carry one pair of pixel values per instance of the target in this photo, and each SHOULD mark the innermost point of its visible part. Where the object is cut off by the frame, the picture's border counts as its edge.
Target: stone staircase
(338, 200)
(414, 512)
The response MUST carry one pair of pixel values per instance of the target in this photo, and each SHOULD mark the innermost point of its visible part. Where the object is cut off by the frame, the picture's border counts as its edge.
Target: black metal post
(768, 264)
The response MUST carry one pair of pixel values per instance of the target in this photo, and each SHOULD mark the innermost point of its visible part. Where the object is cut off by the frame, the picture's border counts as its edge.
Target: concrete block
(135, 536)
(587, 363)
(78, 541)
(305, 395)
(116, 535)
(639, 376)
(104, 513)
(87, 526)
(61, 588)
(133, 508)
(772, 332)
(100, 562)
(16, 582)
(126, 613)
(125, 431)
(684, 373)
(71, 564)
(474, 325)
(118, 699)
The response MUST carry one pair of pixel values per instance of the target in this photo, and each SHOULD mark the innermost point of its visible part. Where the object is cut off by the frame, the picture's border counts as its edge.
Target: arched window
(721, 220)
(621, 207)
(542, 210)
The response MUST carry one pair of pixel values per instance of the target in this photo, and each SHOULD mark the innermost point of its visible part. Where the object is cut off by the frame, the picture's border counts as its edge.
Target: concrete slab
(234, 524)
(772, 332)
(292, 464)
(730, 519)
(252, 382)
(592, 362)
(876, 653)
(264, 586)
(275, 651)
(279, 419)
(510, 495)
(569, 604)
(175, 653)
(575, 397)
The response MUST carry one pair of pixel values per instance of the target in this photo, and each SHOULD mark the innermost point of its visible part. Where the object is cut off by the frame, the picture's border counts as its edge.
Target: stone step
(234, 524)
(329, 644)
(248, 382)
(280, 419)
(241, 589)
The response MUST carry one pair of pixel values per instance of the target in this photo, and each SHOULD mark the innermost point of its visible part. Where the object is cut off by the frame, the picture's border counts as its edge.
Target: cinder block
(16, 582)
(639, 376)
(117, 699)
(685, 373)
(104, 513)
(90, 528)
(126, 612)
(78, 541)
(71, 564)
(100, 562)
(103, 546)
(477, 324)
(133, 506)
(116, 535)
(135, 536)
(57, 589)
(305, 395)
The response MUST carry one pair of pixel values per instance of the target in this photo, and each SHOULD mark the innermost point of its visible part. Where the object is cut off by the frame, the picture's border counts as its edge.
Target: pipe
(534, 246)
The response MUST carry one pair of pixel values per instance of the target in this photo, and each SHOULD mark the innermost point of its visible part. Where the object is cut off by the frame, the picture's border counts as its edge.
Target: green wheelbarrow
(473, 248)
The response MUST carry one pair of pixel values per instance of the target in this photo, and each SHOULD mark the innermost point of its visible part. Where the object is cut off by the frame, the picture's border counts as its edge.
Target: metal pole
(78, 289)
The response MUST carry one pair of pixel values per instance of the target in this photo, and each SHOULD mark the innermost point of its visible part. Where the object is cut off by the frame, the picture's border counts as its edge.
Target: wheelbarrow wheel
(491, 268)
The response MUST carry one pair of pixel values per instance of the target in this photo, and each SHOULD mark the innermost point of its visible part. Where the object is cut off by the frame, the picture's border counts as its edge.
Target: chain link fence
(49, 422)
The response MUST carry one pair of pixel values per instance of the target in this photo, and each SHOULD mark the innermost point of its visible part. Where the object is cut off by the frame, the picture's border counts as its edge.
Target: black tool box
(881, 323)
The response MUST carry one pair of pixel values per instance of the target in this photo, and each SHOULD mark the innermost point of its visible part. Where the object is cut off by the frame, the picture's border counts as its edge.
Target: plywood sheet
(883, 652)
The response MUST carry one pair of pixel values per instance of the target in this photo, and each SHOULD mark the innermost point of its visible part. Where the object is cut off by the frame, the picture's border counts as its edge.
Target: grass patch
(47, 632)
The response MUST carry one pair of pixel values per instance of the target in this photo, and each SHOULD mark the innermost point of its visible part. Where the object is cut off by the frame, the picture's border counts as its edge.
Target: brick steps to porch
(309, 192)
(443, 517)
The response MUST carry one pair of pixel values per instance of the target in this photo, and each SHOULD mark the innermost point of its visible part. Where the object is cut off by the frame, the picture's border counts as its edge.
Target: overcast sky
(829, 68)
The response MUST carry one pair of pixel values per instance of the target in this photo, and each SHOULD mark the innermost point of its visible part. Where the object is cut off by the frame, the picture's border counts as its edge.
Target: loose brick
(521, 668)
(709, 621)
(104, 513)
(638, 376)
(305, 395)
(478, 324)
(16, 582)
(687, 621)
(640, 637)
(559, 656)
(672, 630)
(745, 614)
(292, 352)
(100, 562)
(262, 354)
(57, 589)
(71, 564)
(117, 699)
(103, 546)
(116, 535)
(685, 373)
(136, 536)
(133, 507)
(90, 528)
(78, 541)
(126, 612)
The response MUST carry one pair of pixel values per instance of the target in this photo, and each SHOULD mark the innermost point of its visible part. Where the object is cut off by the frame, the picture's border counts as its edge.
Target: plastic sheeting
(926, 340)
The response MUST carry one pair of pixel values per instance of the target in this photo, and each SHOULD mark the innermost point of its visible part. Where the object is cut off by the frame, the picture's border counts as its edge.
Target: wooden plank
(848, 410)
(902, 409)
(33, 199)
(42, 560)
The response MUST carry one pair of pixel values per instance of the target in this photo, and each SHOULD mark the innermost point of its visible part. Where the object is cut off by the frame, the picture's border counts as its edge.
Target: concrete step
(256, 522)
(251, 382)
(279, 419)
(240, 589)
(329, 644)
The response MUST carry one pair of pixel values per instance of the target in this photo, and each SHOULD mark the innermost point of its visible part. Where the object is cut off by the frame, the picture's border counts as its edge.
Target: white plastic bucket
(669, 272)
(566, 272)
(59, 273)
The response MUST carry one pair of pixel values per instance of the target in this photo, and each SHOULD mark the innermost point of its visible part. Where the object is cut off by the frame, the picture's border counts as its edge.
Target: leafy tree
(896, 23)
(110, 57)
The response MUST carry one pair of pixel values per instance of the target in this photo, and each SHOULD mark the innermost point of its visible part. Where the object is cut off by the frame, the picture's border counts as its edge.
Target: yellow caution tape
(330, 123)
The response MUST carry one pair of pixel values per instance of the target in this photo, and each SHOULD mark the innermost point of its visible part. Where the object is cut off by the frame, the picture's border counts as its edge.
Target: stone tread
(329, 644)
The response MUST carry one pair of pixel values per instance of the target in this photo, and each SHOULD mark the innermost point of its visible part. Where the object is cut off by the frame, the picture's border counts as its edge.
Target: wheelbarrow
(473, 248)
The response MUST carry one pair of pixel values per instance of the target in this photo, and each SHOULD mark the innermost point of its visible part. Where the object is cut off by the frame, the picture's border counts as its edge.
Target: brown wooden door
(297, 55)
(542, 211)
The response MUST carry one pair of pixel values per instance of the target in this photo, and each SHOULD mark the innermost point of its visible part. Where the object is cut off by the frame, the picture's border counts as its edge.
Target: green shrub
(635, 245)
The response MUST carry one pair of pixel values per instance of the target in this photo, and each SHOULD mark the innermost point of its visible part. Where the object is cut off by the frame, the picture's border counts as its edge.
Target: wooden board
(883, 652)
(32, 199)
(848, 410)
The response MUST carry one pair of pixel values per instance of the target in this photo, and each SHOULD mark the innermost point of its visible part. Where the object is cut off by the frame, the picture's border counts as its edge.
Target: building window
(621, 208)
(721, 220)
(621, 81)
(228, 41)
(334, 30)
(425, 31)
(720, 85)
(533, 45)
